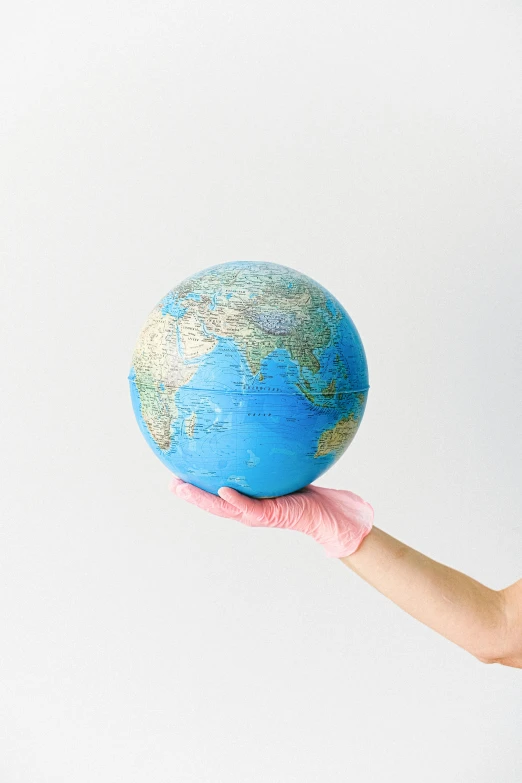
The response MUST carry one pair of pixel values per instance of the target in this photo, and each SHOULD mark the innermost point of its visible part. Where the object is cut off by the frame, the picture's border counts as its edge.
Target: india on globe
(249, 375)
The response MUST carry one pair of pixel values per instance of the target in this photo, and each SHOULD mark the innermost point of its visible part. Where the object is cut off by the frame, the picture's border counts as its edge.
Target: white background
(374, 146)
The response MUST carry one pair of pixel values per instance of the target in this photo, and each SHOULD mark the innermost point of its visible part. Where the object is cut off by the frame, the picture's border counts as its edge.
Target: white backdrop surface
(374, 146)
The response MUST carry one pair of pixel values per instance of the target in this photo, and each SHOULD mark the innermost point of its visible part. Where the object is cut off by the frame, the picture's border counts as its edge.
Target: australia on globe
(249, 375)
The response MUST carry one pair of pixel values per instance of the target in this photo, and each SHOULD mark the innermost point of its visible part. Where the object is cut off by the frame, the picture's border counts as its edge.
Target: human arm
(487, 623)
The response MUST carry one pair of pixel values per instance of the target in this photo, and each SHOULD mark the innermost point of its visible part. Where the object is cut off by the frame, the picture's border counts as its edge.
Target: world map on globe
(251, 375)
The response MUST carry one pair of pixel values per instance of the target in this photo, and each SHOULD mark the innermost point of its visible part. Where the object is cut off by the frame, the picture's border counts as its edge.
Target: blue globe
(249, 375)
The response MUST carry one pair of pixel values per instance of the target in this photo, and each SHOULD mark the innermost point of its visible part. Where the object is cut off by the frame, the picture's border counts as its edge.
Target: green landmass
(338, 437)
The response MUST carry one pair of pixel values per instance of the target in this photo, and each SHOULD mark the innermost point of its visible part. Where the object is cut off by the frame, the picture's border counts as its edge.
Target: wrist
(349, 543)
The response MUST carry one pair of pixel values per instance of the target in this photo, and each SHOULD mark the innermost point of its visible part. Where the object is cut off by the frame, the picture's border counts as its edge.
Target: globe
(249, 375)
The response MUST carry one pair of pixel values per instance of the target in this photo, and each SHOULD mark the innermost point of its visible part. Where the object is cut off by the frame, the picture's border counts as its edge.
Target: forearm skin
(454, 605)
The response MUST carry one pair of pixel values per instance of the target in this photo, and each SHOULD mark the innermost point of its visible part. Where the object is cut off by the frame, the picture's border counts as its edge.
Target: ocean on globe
(249, 375)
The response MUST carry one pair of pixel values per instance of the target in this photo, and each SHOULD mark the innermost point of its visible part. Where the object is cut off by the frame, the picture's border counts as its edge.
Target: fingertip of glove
(223, 492)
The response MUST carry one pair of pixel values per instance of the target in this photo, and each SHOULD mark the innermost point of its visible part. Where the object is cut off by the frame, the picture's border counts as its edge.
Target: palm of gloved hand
(336, 518)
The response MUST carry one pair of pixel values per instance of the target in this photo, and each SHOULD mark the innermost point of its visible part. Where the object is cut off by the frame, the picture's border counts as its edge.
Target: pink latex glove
(337, 519)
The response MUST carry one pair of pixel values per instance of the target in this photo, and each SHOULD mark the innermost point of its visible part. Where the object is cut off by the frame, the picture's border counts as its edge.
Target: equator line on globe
(250, 375)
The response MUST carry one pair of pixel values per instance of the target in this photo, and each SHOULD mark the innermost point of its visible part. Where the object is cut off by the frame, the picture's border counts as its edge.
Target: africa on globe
(249, 375)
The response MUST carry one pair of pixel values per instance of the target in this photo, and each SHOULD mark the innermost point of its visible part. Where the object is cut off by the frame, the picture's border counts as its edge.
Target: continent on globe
(249, 374)
(335, 438)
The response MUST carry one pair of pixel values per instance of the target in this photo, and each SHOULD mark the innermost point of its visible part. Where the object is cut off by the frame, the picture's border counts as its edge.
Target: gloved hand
(337, 519)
